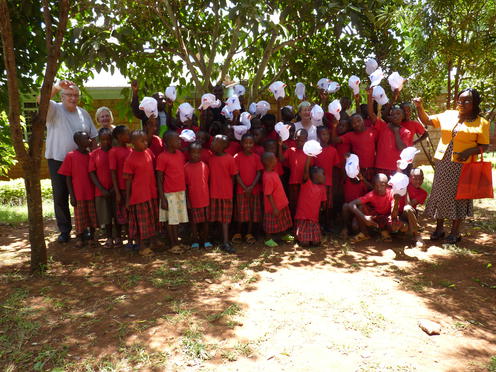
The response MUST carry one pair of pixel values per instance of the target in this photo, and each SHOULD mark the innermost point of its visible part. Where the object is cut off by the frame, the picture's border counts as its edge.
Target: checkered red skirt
(248, 208)
(120, 209)
(143, 220)
(198, 215)
(220, 210)
(274, 225)
(84, 215)
(307, 231)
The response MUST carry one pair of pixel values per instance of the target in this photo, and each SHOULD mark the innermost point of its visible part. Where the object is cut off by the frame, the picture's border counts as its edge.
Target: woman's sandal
(453, 239)
(250, 239)
(360, 237)
(436, 235)
(237, 238)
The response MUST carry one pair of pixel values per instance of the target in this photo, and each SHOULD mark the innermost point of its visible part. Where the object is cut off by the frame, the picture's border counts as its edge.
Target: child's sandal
(250, 239)
(237, 238)
(386, 237)
(145, 252)
(207, 245)
(176, 249)
(360, 237)
(271, 243)
(195, 246)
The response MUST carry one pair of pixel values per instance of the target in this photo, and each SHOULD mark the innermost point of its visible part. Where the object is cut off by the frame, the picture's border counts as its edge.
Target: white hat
(185, 112)
(407, 156)
(239, 90)
(396, 81)
(354, 83)
(333, 87)
(277, 88)
(300, 90)
(149, 106)
(282, 130)
(399, 182)
(240, 130)
(187, 135)
(233, 103)
(227, 113)
(335, 108)
(245, 118)
(371, 65)
(380, 95)
(323, 83)
(316, 115)
(209, 100)
(376, 77)
(262, 108)
(312, 148)
(352, 166)
(252, 109)
(170, 93)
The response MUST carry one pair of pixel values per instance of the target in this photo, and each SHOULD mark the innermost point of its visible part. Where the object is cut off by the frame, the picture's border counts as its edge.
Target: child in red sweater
(117, 156)
(277, 216)
(141, 193)
(171, 187)
(312, 197)
(222, 170)
(82, 192)
(248, 202)
(196, 174)
(154, 142)
(102, 180)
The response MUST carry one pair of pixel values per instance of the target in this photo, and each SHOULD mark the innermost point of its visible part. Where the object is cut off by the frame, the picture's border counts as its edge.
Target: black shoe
(436, 235)
(452, 239)
(63, 238)
(86, 235)
(226, 247)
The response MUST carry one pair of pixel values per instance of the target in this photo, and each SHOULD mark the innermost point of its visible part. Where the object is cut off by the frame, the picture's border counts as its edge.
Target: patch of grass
(166, 276)
(131, 281)
(11, 277)
(363, 320)
(491, 367)
(17, 214)
(193, 345)
(447, 284)
(230, 311)
(50, 356)
(140, 357)
(210, 267)
(181, 313)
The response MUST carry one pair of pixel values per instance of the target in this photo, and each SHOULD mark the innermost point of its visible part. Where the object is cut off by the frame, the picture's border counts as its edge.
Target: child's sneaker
(288, 238)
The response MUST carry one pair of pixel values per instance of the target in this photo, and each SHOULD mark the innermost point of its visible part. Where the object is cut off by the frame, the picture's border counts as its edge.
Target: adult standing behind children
(63, 120)
(464, 133)
(305, 122)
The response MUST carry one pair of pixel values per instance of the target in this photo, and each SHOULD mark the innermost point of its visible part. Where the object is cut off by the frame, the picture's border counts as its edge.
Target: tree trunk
(448, 98)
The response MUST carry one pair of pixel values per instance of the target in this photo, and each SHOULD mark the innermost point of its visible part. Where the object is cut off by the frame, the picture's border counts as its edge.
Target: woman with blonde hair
(104, 118)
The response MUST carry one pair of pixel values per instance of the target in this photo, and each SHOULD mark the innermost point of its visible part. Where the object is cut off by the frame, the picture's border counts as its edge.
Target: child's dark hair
(217, 127)
(247, 135)
(356, 114)
(314, 170)
(78, 135)
(137, 133)
(195, 146)
(416, 172)
(168, 134)
(255, 122)
(118, 130)
(301, 131)
(268, 118)
(321, 128)
(269, 142)
(286, 114)
(104, 131)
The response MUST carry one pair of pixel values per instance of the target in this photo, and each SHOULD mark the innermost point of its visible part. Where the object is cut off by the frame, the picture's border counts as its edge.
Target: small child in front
(312, 196)
(81, 190)
(141, 193)
(171, 187)
(277, 216)
(222, 171)
(416, 196)
(102, 179)
(196, 174)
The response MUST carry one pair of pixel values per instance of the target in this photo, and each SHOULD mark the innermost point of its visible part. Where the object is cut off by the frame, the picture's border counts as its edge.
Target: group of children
(137, 185)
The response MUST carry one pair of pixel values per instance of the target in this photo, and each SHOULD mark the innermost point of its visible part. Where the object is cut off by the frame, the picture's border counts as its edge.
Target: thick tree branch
(232, 49)
(47, 18)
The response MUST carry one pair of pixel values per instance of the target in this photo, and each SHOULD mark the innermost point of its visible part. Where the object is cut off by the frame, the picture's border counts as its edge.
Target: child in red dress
(171, 187)
(141, 193)
(248, 202)
(259, 136)
(196, 174)
(275, 147)
(222, 170)
(154, 142)
(412, 125)
(117, 156)
(277, 217)
(102, 179)
(82, 192)
(312, 198)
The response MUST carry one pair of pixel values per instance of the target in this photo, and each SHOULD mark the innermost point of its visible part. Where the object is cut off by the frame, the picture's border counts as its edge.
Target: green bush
(13, 192)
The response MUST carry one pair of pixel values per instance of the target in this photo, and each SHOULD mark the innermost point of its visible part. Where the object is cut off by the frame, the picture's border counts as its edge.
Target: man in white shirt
(63, 120)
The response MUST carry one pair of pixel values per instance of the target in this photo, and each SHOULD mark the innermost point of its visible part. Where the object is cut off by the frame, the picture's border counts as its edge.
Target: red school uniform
(327, 160)
(233, 148)
(196, 178)
(99, 163)
(205, 154)
(342, 149)
(295, 161)
(248, 166)
(259, 150)
(172, 165)
(380, 204)
(417, 193)
(76, 165)
(309, 201)
(414, 127)
(156, 145)
(117, 156)
(273, 224)
(139, 165)
(363, 145)
(289, 143)
(387, 152)
(272, 136)
(353, 189)
(222, 168)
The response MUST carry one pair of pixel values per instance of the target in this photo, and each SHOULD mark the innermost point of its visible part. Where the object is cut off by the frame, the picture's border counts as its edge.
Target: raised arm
(424, 118)
(63, 84)
(370, 106)
(135, 102)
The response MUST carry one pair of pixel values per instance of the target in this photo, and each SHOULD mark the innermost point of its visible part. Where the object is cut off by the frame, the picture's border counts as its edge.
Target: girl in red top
(141, 193)
(117, 156)
(222, 170)
(171, 187)
(412, 125)
(277, 217)
(81, 191)
(327, 160)
(248, 201)
(196, 175)
(155, 143)
(100, 176)
(275, 147)
(295, 160)
(312, 197)
(259, 137)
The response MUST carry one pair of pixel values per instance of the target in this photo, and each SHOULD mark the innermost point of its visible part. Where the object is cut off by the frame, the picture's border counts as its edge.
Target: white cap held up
(185, 112)
(300, 91)
(312, 148)
(171, 93)
(371, 65)
(277, 89)
(354, 83)
(352, 166)
(335, 108)
(149, 106)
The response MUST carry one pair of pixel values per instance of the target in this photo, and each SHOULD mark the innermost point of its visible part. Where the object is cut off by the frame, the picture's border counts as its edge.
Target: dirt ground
(334, 308)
